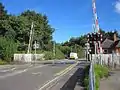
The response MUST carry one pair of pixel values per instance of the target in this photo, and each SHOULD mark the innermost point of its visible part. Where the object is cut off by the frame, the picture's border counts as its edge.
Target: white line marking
(49, 83)
(7, 70)
(56, 78)
(13, 69)
(13, 74)
(36, 73)
(19, 72)
(4, 70)
(38, 66)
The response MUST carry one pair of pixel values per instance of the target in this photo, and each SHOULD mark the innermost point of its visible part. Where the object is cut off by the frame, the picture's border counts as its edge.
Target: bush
(2, 62)
(80, 52)
(58, 55)
(48, 55)
(7, 48)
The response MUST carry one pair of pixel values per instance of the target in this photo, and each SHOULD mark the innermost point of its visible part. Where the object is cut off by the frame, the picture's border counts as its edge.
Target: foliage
(86, 78)
(48, 55)
(59, 54)
(3, 62)
(16, 29)
(109, 34)
(3, 12)
(65, 49)
(100, 72)
(7, 48)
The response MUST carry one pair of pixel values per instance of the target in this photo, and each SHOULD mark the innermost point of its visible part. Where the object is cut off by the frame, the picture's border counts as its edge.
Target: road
(31, 77)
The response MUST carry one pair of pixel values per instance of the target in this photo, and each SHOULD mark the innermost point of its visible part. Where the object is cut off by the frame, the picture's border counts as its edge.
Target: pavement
(34, 77)
(112, 82)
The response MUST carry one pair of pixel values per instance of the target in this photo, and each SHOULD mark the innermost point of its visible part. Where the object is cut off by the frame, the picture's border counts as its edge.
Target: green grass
(86, 79)
(100, 72)
(3, 62)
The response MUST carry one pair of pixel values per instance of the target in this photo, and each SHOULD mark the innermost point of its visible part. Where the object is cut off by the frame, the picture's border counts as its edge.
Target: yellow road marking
(48, 83)
(62, 71)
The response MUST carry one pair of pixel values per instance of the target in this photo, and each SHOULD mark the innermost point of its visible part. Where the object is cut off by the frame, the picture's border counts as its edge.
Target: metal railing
(110, 60)
(91, 77)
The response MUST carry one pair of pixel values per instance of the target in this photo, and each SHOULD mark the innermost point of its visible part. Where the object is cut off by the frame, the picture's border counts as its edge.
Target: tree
(42, 30)
(3, 12)
(109, 34)
(7, 49)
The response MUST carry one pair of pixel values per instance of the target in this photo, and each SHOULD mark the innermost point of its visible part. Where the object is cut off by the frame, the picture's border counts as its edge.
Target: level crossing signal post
(94, 40)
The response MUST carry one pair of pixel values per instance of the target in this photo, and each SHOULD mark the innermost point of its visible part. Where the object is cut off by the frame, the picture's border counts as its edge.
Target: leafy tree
(7, 49)
(109, 34)
(65, 49)
(42, 30)
(3, 12)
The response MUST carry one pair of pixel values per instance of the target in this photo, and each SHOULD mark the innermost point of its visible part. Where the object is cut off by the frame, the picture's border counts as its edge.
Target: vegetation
(86, 78)
(7, 48)
(15, 31)
(100, 72)
(3, 62)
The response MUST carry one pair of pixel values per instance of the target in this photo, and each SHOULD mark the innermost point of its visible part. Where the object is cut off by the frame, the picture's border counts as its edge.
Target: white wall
(28, 57)
(106, 58)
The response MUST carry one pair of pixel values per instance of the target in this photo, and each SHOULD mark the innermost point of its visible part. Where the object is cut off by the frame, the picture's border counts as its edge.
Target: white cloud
(117, 6)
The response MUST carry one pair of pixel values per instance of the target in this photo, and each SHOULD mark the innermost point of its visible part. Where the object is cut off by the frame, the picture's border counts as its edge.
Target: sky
(70, 18)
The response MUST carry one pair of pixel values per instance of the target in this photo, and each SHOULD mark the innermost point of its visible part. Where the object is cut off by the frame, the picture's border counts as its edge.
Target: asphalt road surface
(30, 77)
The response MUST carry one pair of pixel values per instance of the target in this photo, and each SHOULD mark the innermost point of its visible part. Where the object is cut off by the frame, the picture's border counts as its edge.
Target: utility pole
(35, 51)
(71, 48)
(75, 48)
(54, 52)
(30, 40)
(54, 48)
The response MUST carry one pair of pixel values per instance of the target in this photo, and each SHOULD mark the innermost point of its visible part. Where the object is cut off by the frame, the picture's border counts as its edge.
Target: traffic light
(96, 36)
(93, 37)
(89, 37)
(100, 37)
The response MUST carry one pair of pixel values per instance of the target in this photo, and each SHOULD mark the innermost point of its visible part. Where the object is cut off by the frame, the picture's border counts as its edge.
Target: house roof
(107, 43)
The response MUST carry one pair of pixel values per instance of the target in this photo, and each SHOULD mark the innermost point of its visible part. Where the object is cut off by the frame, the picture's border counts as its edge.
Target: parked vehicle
(73, 55)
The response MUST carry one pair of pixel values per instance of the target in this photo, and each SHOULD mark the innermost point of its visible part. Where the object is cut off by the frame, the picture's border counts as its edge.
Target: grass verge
(100, 72)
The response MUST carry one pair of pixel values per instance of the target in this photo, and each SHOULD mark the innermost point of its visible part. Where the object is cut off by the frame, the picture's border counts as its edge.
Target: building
(110, 46)
(107, 46)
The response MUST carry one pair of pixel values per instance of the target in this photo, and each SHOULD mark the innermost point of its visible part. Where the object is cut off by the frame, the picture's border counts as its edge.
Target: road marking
(62, 71)
(39, 66)
(30, 65)
(13, 69)
(36, 73)
(19, 72)
(7, 70)
(57, 78)
(13, 74)
(4, 70)
(71, 74)
(50, 81)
